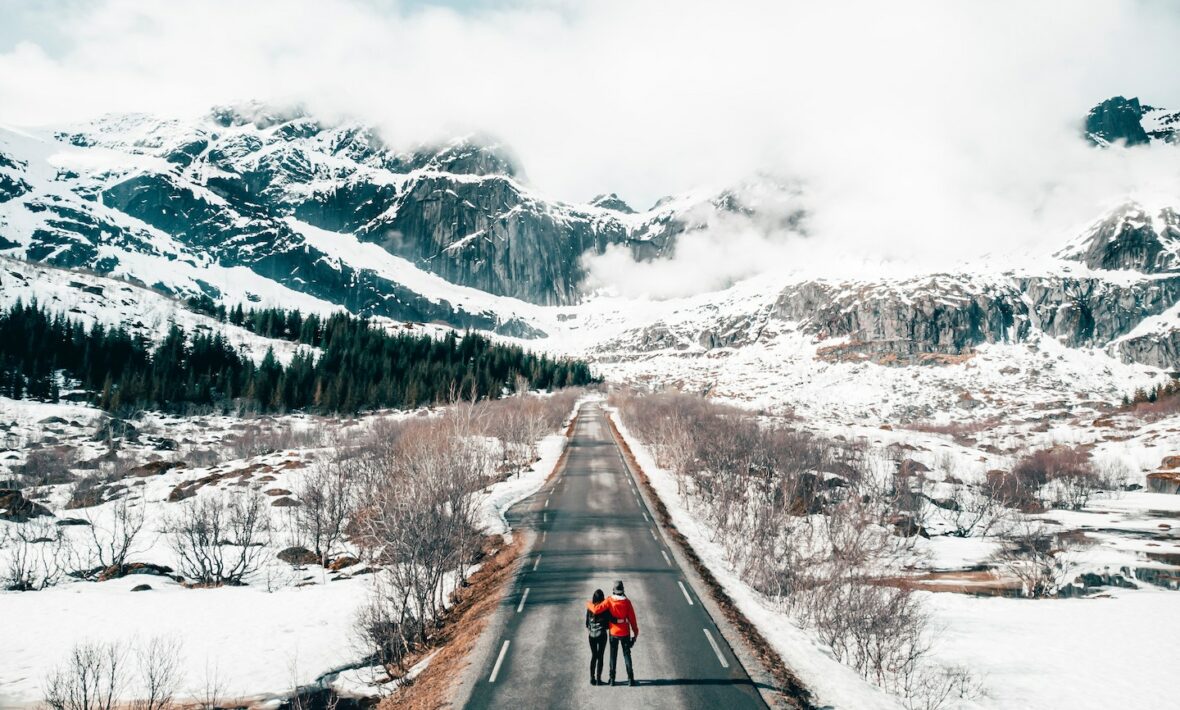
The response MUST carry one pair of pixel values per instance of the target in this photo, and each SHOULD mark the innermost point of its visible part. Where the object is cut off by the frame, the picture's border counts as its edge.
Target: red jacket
(622, 615)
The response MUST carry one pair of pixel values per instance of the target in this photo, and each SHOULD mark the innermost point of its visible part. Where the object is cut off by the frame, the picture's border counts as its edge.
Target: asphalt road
(593, 528)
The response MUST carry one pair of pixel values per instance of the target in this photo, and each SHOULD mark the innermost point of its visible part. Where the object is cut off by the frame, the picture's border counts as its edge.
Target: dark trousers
(625, 642)
(597, 651)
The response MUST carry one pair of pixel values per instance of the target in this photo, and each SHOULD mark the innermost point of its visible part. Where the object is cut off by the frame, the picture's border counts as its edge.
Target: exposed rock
(298, 556)
(285, 503)
(141, 588)
(341, 562)
(1116, 119)
(68, 522)
(277, 492)
(1164, 482)
(15, 508)
(154, 468)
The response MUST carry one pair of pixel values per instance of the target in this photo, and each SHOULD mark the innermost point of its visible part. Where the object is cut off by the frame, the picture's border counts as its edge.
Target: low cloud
(925, 132)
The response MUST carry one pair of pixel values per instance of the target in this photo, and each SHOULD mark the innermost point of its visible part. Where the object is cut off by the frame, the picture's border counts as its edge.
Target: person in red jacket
(624, 628)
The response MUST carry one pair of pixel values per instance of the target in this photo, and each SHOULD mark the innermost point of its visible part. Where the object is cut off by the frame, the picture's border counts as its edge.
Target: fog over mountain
(922, 133)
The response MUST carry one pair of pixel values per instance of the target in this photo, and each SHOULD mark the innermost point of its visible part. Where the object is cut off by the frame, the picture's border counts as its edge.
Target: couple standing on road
(612, 616)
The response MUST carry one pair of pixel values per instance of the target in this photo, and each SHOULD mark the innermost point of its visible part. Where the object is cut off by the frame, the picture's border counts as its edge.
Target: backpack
(596, 623)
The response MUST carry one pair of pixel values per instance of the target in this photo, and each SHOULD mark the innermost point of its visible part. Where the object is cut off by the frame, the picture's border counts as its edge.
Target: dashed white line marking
(653, 534)
(544, 534)
(666, 560)
(645, 516)
(546, 502)
(716, 649)
(500, 659)
(536, 563)
(524, 596)
(685, 593)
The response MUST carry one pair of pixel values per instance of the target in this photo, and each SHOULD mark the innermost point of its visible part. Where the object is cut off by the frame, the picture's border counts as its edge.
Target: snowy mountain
(302, 204)
(258, 206)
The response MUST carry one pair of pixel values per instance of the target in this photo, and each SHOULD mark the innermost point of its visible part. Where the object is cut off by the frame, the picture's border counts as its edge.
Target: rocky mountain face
(289, 198)
(1115, 288)
(1121, 119)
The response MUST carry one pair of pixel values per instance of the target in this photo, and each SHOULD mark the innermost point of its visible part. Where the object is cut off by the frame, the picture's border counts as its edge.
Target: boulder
(341, 562)
(285, 502)
(298, 556)
(141, 588)
(15, 508)
(1164, 482)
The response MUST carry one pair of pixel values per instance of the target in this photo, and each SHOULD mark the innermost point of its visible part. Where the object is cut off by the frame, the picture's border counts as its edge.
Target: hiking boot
(593, 681)
(613, 683)
(633, 683)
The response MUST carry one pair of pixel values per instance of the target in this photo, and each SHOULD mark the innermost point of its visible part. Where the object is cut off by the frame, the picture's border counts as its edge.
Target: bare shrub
(419, 522)
(935, 687)
(46, 466)
(974, 510)
(1036, 557)
(92, 677)
(880, 631)
(35, 555)
(111, 540)
(160, 673)
(220, 539)
(326, 495)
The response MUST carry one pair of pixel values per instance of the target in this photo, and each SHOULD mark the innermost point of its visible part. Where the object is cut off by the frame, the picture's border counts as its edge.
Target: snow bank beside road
(832, 683)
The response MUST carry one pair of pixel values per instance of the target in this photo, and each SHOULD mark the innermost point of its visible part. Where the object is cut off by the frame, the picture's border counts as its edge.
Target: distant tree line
(359, 366)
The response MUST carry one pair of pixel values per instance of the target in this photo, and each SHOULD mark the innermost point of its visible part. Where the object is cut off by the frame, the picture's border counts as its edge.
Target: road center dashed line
(523, 597)
(500, 659)
(685, 593)
(536, 563)
(716, 649)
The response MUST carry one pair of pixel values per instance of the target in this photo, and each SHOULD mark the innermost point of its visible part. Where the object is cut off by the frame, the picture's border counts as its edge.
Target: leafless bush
(160, 673)
(268, 435)
(880, 631)
(326, 495)
(212, 692)
(934, 687)
(1036, 557)
(974, 510)
(419, 522)
(93, 677)
(111, 540)
(47, 466)
(35, 555)
(1067, 468)
(220, 539)
(801, 517)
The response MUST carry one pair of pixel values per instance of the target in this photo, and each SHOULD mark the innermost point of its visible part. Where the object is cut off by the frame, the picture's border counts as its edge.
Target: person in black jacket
(596, 625)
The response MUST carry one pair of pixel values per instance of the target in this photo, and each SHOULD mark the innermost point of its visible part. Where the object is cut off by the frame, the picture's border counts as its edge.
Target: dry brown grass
(978, 582)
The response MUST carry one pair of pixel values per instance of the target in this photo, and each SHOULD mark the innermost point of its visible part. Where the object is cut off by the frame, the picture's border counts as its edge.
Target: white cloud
(924, 130)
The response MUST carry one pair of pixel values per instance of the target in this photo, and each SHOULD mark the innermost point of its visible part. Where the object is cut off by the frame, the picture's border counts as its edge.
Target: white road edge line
(653, 534)
(524, 596)
(666, 560)
(716, 649)
(645, 516)
(685, 593)
(536, 563)
(544, 534)
(546, 502)
(500, 659)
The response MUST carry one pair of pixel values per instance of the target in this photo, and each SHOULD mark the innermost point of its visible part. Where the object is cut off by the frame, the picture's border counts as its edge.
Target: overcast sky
(917, 126)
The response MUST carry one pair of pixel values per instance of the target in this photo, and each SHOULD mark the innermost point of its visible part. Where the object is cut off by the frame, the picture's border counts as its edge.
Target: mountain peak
(1121, 119)
(612, 202)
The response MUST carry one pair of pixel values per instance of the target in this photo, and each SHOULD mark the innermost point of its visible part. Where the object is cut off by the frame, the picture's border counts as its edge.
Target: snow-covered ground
(286, 628)
(1112, 649)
